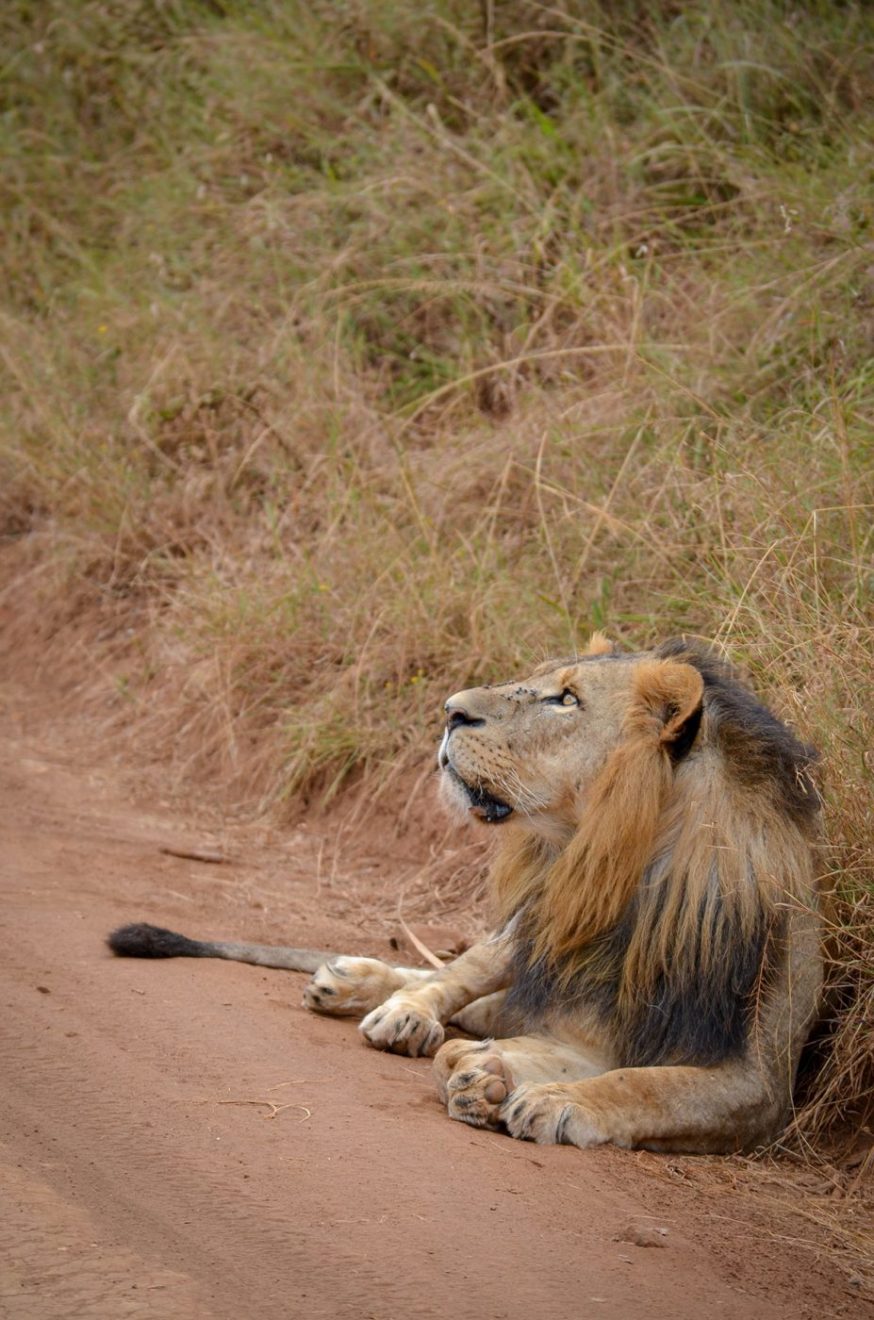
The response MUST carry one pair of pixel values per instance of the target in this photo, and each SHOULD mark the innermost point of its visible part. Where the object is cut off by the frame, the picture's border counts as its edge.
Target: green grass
(355, 353)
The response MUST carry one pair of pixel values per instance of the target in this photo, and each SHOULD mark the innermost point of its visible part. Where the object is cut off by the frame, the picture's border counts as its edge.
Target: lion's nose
(456, 715)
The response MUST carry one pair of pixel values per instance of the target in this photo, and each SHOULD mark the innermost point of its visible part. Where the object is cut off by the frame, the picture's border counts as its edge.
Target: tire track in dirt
(143, 1181)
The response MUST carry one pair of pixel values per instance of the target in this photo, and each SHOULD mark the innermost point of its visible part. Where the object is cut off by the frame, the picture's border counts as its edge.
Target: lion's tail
(144, 941)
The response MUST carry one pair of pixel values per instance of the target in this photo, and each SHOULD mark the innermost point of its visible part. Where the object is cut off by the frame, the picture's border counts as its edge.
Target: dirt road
(180, 1139)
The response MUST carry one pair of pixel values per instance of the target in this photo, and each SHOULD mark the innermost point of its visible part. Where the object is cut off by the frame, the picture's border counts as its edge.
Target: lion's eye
(565, 698)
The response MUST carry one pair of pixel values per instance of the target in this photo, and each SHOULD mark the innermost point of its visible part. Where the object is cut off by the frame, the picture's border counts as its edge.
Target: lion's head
(534, 748)
(655, 818)
(538, 749)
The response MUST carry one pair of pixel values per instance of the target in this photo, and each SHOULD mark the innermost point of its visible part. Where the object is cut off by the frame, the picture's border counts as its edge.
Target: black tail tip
(141, 940)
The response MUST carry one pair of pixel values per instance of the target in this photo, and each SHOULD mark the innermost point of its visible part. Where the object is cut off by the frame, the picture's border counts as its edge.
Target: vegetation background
(358, 351)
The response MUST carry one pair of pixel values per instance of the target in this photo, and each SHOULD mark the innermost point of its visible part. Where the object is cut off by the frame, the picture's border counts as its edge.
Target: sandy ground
(180, 1139)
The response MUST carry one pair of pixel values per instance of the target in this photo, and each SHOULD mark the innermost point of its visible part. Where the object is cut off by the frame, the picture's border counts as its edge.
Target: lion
(655, 966)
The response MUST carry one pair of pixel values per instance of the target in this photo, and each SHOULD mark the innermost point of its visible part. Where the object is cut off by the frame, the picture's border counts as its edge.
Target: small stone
(642, 1235)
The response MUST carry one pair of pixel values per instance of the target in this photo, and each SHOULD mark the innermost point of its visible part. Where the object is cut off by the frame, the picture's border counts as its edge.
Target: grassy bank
(357, 352)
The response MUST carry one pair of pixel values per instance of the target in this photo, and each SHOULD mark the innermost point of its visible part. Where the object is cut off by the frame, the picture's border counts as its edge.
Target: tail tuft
(144, 941)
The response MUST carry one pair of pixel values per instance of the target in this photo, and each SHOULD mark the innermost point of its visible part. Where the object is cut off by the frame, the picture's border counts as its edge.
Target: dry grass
(354, 353)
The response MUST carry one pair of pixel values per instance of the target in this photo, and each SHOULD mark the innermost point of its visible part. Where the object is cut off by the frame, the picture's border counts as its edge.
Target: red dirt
(147, 1174)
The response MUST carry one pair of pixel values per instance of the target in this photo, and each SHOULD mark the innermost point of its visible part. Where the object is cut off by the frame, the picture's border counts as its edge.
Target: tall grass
(355, 353)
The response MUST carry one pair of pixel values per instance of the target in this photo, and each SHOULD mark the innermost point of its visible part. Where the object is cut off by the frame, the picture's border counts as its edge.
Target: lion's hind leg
(351, 987)
(476, 1079)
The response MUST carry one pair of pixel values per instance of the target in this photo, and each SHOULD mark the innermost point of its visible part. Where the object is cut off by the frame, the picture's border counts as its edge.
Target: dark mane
(757, 746)
(700, 1017)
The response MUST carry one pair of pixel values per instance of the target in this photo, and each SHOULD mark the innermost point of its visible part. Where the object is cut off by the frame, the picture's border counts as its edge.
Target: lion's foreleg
(697, 1110)
(411, 1020)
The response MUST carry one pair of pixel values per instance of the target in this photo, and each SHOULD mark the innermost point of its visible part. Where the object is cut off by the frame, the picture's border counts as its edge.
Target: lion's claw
(403, 1029)
(544, 1114)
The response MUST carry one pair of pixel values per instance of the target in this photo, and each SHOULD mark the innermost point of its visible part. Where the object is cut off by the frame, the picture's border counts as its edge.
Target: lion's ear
(599, 644)
(670, 697)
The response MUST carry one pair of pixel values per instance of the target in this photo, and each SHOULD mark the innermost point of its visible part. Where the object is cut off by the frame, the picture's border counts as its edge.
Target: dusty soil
(180, 1139)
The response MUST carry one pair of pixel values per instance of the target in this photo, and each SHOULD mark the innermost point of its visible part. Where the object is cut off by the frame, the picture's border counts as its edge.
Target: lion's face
(533, 747)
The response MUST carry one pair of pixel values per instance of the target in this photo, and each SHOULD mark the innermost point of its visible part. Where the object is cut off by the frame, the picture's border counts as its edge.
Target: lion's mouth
(485, 806)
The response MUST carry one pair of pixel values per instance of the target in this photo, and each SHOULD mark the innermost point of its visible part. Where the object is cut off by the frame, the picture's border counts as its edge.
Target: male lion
(655, 967)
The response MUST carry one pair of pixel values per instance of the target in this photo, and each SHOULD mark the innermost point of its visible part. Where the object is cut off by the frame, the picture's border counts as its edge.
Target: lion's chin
(476, 800)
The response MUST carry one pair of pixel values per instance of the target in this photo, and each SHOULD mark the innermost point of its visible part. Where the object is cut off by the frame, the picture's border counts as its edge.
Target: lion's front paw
(547, 1115)
(474, 1081)
(349, 987)
(401, 1026)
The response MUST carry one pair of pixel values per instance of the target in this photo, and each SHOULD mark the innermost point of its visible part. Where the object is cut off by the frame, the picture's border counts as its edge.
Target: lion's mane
(664, 915)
